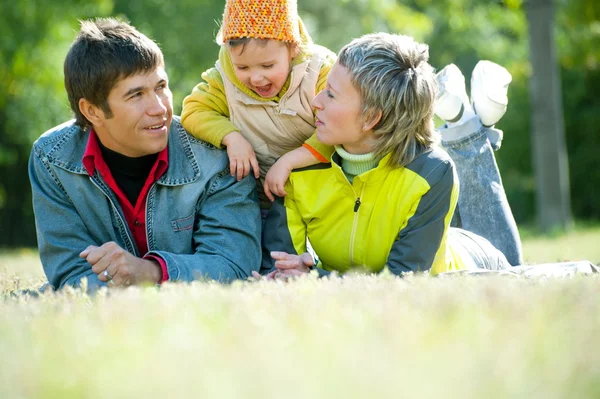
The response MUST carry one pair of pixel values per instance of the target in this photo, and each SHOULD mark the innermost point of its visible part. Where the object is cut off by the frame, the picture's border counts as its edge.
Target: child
(256, 101)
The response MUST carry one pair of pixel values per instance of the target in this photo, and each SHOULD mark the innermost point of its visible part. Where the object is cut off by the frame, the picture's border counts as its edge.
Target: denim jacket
(199, 219)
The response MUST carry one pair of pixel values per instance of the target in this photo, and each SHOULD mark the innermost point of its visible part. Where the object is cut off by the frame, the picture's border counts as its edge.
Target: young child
(256, 101)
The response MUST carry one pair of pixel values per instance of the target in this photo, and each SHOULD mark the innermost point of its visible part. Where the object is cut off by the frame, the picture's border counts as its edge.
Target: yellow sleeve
(205, 113)
(321, 151)
(295, 224)
(330, 58)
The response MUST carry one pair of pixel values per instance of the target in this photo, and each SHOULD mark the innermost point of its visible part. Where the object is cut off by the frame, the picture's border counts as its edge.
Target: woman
(388, 196)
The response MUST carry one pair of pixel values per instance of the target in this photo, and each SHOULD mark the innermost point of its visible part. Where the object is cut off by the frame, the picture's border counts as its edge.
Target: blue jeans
(483, 224)
(482, 204)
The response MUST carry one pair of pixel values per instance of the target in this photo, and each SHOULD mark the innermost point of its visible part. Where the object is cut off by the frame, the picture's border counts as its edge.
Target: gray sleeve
(276, 235)
(226, 234)
(418, 242)
(322, 272)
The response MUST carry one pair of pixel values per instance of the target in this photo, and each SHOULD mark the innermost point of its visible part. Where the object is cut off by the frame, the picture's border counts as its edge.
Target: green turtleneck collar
(355, 164)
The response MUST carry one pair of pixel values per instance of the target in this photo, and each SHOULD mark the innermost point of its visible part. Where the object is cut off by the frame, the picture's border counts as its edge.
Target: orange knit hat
(261, 19)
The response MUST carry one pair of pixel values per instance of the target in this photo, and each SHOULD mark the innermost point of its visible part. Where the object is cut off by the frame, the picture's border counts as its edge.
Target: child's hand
(241, 156)
(276, 178)
(280, 171)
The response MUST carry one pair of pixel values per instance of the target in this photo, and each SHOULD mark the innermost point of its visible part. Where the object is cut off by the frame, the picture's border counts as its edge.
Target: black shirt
(130, 174)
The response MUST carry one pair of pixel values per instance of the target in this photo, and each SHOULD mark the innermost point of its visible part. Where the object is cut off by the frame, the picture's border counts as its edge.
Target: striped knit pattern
(355, 164)
(261, 19)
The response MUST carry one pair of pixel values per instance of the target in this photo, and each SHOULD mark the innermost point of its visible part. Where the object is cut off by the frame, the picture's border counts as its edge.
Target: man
(123, 195)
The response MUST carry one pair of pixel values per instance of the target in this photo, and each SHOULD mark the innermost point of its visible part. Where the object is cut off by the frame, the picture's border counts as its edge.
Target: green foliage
(35, 36)
(186, 32)
(579, 51)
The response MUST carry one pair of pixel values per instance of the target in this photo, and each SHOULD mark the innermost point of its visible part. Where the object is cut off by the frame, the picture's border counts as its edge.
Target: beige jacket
(275, 128)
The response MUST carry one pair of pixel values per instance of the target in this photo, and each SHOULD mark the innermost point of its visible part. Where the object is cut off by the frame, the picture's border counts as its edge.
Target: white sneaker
(451, 94)
(489, 87)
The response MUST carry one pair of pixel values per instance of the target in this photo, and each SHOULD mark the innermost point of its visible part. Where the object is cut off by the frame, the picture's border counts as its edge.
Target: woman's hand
(278, 274)
(287, 262)
(287, 265)
(241, 156)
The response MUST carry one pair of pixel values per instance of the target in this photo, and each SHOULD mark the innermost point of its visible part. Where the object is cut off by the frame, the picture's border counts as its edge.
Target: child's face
(263, 66)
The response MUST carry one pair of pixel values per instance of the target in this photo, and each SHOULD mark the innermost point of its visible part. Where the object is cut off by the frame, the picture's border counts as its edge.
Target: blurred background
(548, 159)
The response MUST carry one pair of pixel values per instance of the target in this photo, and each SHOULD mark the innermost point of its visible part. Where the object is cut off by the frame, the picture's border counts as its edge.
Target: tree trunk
(548, 132)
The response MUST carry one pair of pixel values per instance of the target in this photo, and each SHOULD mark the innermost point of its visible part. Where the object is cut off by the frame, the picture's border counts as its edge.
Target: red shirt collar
(92, 158)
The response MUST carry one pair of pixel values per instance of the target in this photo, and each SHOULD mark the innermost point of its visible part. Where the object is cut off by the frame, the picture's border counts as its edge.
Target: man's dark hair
(105, 51)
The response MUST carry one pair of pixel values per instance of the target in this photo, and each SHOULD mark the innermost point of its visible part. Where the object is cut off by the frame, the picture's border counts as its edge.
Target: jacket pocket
(183, 224)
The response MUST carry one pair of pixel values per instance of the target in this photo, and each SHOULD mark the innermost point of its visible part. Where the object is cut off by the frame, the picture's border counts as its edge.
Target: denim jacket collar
(67, 153)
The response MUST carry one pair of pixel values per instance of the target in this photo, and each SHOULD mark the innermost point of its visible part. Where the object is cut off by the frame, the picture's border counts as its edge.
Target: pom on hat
(261, 19)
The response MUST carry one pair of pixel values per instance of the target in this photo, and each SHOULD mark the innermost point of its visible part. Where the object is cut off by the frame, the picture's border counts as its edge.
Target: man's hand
(241, 156)
(115, 265)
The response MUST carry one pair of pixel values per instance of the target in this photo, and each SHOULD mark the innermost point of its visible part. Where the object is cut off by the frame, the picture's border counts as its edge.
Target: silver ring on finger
(108, 276)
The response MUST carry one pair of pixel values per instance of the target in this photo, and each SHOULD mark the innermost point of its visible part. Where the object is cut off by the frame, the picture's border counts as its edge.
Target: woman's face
(338, 117)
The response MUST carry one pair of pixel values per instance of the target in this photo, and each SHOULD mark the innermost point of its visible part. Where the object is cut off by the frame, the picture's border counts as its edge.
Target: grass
(580, 244)
(362, 336)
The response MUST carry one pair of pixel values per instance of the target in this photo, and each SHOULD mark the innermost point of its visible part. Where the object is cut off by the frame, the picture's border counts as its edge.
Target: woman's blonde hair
(393, 77)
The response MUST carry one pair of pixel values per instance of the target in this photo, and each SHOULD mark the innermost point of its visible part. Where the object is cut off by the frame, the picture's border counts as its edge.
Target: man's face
(142, 111)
